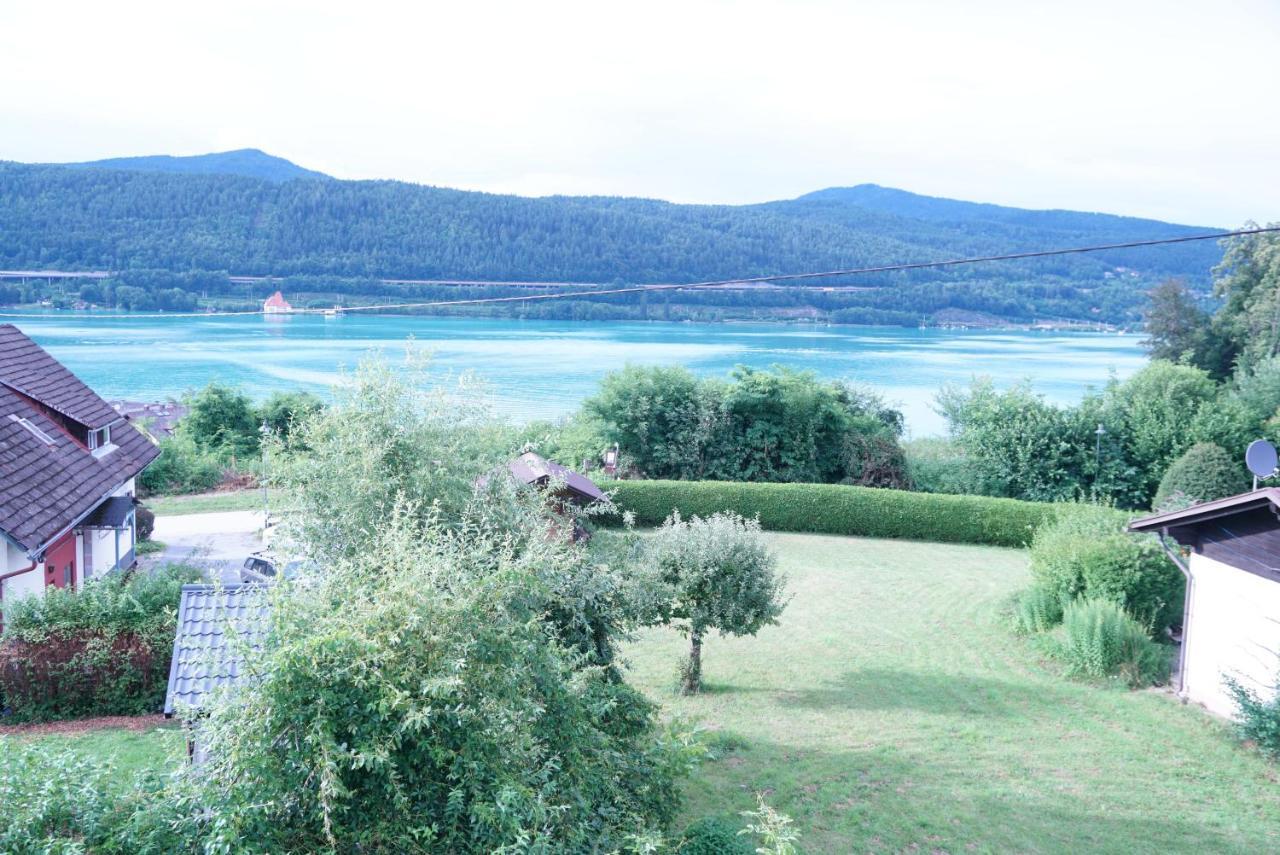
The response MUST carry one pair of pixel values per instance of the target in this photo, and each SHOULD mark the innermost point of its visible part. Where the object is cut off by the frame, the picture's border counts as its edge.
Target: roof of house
(220, 628)
(49, 481)
(277, 301)
(1268, 497)
(533, 469)
(27, 368)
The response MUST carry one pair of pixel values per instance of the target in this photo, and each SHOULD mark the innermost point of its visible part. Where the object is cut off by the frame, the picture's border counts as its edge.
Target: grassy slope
(891, 711)
(131, 752)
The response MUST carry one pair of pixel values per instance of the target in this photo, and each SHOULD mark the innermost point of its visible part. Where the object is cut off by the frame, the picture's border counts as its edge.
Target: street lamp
(265, 430)
(1097, 448)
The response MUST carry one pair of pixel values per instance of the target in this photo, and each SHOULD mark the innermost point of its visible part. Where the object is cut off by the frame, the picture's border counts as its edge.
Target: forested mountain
(248, 162)
(337, 236)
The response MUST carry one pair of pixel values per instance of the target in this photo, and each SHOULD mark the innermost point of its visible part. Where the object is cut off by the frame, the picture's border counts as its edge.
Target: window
(99, 437)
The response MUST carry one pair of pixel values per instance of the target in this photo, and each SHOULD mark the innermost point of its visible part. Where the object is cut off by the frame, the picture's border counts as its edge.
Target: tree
(282, 409)
(721, 575)
(1248, 282)
(222, 417)
(1178, 330)
(1203, 473)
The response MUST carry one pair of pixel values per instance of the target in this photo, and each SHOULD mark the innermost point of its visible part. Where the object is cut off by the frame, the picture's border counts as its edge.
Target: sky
(1158, 109)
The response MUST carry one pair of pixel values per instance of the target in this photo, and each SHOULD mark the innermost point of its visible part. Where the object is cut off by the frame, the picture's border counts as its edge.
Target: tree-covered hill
(249, 162)
(124, 219)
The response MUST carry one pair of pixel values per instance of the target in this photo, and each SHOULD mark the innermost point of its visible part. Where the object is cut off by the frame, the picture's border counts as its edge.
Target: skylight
(35, 431)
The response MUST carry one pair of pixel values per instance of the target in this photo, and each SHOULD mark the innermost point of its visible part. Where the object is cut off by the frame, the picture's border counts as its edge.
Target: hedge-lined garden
(841, 509)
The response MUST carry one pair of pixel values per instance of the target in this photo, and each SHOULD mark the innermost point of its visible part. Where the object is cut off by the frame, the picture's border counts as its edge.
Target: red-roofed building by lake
(276, 304)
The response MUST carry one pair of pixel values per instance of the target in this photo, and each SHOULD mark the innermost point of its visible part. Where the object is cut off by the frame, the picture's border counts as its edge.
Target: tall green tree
(1248, 283)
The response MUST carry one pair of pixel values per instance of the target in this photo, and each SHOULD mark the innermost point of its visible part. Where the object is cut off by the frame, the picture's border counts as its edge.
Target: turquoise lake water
(543, 369)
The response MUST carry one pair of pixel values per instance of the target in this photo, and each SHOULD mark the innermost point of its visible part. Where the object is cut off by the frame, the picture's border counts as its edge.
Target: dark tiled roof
(1268, 497)
(47, 486)
(530, 468)
(220, 628)
(25, 366)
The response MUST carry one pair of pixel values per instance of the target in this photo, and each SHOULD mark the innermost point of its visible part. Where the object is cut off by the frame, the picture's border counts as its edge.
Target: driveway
(218, 542)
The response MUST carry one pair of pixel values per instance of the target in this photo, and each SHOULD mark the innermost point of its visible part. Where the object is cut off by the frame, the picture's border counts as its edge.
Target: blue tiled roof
(220, 627)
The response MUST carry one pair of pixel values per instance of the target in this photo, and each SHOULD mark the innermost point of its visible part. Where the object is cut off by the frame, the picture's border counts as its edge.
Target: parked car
(261, 570)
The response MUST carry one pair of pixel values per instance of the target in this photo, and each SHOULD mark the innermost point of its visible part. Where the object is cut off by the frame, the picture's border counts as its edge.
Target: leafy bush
(1037, 610)
(776, 426)
(101, 650)
(840, 509)
(721, 575)
(144, 523)
(183, 467)
(936, 465)
(1203, 473)
(1259, 720)
(1099, 639)
(1087, 553)
(713, 835)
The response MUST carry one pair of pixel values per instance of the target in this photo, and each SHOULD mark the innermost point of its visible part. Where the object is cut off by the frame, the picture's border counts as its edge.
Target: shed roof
(220, 628)
(531, 468)
(1266, 498)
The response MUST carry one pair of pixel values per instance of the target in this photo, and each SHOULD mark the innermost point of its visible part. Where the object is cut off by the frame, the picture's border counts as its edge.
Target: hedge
(841, 509)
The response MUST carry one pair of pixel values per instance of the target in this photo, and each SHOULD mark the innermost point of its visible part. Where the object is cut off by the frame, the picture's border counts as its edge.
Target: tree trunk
(693, 669)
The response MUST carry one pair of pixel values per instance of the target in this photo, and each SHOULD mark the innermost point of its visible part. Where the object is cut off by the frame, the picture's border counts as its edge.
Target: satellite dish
(1260, 457)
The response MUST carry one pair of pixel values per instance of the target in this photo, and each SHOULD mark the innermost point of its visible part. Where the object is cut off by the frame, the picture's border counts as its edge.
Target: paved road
(218, 542)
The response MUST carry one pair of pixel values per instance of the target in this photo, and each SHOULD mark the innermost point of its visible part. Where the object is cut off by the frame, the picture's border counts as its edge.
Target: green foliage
(184, 466)
(721, 575)
(1203, 473)
(778, 425)
(840, 509)
(100, 650)
(222, 418)
(1087, 553)
(936, 465)
(1099, 639)
(437, 708)
(388, 438)
(1248, 283)
(282, 409)
(1178, 330)
(1259, 719)
(776, 830)
(713, 835)
(1037, 610)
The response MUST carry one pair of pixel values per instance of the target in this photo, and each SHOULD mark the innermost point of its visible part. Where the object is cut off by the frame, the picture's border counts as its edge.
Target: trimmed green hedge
(841, 509)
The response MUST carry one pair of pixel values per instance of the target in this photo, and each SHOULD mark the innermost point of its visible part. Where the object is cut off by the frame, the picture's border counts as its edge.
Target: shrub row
(101, 650)
(841, 509)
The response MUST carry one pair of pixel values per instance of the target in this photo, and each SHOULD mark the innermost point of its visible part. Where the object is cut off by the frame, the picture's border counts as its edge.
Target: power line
(719, 283)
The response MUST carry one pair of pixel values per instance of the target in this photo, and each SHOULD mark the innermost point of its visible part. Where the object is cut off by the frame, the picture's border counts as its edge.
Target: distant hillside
(349, 232)
(247, 162)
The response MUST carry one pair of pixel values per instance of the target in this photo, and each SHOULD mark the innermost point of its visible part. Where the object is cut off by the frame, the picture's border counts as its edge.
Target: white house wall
(24, 584)
(1233, 631)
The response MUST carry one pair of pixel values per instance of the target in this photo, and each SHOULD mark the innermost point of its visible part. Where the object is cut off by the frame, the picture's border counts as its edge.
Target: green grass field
(204, 503)
(130, 751)
(891, 711)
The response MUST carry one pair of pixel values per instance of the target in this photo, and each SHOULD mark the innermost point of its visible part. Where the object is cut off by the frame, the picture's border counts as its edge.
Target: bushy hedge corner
(841, 509)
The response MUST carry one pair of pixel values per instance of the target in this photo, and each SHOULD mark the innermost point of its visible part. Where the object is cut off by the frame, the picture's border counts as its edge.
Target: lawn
(891, 711)
(204, 503)
(130, 750)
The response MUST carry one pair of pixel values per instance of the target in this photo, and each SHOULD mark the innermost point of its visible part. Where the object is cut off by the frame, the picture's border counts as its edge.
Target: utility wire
(698, 286)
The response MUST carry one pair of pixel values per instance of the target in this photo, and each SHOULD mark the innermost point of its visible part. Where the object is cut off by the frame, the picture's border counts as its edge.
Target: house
(276, 304)
(220, 628)
(1229, 550)
(67, 468)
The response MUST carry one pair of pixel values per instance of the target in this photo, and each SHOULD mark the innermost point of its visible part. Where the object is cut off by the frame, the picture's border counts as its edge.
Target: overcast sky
(1164, 109)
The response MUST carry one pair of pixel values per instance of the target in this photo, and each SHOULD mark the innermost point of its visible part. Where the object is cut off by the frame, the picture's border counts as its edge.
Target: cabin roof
(535, 470)
(1266, 498)
(221, 628)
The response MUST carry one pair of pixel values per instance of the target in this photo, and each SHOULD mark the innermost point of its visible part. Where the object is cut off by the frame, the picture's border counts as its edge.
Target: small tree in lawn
(721, 575)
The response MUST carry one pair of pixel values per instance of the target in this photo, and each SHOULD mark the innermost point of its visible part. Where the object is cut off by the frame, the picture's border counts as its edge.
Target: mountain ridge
(245, 162)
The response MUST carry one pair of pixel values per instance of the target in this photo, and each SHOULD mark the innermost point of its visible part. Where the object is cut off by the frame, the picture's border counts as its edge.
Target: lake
(543, 369)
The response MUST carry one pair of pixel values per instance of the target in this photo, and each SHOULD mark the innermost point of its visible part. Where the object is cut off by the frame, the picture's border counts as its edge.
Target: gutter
(1163, 535)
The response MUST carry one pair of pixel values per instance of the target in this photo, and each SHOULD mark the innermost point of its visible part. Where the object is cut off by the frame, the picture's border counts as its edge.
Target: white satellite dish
(1261, 459)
